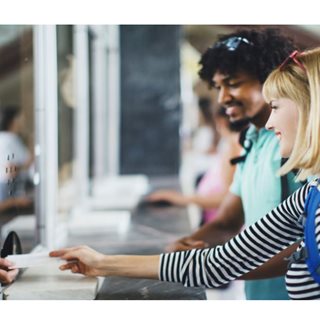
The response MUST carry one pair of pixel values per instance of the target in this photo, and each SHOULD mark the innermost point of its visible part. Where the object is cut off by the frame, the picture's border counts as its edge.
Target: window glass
(17, 134)
(66, 118)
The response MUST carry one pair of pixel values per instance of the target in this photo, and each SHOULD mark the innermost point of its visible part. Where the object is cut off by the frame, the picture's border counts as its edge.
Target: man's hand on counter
(186, 243)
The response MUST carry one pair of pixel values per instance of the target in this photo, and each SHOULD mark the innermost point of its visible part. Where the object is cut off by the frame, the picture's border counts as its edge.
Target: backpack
(312, 254)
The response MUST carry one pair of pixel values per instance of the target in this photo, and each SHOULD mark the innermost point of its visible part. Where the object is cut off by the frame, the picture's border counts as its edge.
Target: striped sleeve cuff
(170, 266)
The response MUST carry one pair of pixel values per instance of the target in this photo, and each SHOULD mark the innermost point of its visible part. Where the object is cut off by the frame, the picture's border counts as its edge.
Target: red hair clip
(293, 57)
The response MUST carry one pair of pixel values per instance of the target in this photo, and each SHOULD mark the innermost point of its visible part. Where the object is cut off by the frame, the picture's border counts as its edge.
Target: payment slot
(11, 245)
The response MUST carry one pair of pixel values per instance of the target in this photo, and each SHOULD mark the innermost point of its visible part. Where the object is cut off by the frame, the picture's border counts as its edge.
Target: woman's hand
(92, 263)
(83, 260)
(21, 202)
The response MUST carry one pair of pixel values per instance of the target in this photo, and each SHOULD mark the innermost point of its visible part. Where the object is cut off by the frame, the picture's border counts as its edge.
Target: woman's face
(283, 121)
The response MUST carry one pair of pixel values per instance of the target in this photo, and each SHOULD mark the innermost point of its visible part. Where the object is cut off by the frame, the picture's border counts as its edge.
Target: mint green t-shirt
(257, 183)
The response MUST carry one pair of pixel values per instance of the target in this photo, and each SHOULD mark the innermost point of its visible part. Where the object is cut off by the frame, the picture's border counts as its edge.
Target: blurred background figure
(205, 138)
(213, 185)
(16, 162)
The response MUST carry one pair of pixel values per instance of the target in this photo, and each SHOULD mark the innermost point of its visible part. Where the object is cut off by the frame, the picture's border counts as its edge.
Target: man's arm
(275, 267)
(230, 219)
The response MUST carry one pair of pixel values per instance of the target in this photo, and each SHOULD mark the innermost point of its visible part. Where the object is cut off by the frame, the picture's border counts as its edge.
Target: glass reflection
(16, 132)
(66, 111)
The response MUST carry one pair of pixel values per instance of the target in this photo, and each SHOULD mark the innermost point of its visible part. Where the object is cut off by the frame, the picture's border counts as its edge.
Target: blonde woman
(293, 93)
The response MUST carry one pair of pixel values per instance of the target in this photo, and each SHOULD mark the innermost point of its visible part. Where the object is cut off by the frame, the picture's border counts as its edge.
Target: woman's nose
(269, 124)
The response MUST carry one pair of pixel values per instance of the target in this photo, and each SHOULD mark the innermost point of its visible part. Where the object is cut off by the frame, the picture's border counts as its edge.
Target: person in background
(292, 91)
(205, 136)
(214, 184)
(15, 161)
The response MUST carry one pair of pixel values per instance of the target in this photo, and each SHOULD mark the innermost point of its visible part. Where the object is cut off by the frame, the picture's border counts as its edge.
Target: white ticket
(32, 260)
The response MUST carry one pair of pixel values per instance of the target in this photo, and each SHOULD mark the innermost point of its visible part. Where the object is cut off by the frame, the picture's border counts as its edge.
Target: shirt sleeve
(235, 187)
(255, 245)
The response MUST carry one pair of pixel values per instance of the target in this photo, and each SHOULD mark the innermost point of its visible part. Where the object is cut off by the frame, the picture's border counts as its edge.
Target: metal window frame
(113, 102)
(99, 100)
(106, 104)
(106, 100)
(46, 132)
(81, 134)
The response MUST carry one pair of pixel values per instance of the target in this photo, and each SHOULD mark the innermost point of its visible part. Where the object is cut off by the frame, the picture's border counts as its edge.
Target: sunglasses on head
(293, 56)
(233, 43)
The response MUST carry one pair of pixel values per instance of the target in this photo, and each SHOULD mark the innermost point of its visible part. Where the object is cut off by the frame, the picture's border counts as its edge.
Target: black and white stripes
(251, 248)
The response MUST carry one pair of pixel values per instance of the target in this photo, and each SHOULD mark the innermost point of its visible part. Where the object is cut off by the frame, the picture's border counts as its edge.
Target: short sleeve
(235, 187)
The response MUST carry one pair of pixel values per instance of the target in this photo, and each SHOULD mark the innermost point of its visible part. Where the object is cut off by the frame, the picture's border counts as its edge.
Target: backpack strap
(284, 183)
(246, 144)
(312, 253)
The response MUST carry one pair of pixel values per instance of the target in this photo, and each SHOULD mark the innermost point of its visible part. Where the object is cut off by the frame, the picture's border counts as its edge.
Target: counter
(151, 228)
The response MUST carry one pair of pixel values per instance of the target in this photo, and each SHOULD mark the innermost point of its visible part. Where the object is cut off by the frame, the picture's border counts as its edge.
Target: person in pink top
(215, 182)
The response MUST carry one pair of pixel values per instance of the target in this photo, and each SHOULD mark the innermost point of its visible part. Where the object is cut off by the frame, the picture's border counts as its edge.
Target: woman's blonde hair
(302, 87)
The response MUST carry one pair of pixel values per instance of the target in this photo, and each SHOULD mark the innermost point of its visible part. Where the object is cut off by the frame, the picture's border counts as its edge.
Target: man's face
(240, 94)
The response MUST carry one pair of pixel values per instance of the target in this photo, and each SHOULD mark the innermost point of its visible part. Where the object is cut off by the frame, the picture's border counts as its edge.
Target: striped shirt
(255, 245)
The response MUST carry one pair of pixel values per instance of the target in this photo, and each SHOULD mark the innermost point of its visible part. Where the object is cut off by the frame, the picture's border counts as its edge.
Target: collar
(253, 133)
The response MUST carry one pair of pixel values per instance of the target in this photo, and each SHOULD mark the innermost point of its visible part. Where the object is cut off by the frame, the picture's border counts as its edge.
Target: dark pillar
(150, 99)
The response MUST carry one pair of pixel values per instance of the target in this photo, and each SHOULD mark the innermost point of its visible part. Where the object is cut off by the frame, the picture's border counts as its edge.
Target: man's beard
(239, 125)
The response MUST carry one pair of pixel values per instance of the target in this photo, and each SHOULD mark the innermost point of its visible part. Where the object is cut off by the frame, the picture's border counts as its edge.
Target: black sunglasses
(232, 44)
